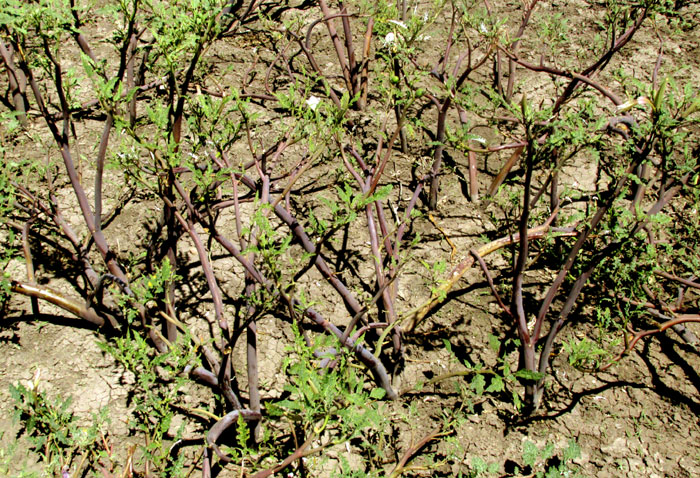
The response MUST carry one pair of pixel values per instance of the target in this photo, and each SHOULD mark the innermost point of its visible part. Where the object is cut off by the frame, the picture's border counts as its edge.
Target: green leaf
(377, 393)
(345, 194)
(448, 346)
(380, 194)
(547, 451)
(694, 106)
(478, 384)
(517, 402)
(496, 385)
(242, 432)
(528, 375)
(658, 98)
(87, 65)
(494, 343)
(572, 452)
(530, 453)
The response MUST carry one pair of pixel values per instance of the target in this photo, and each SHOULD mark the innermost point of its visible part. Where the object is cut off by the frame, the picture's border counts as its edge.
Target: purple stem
(17, 81)
(337, 43)
(516, 46)
(61, 140)
(221, 426)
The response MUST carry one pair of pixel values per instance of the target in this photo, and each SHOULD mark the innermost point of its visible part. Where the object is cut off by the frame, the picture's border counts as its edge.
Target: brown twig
(298, 454)
(489, 279)
(635, 337)
(672, 277)
(412, 450)
(56, 298)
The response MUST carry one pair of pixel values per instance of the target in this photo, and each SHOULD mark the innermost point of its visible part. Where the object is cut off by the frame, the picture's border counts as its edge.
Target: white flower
(483, 29)
(399, 23)
(531, 325)
(389, 39)
(313, 102)
(34, 383)
(641, 101)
